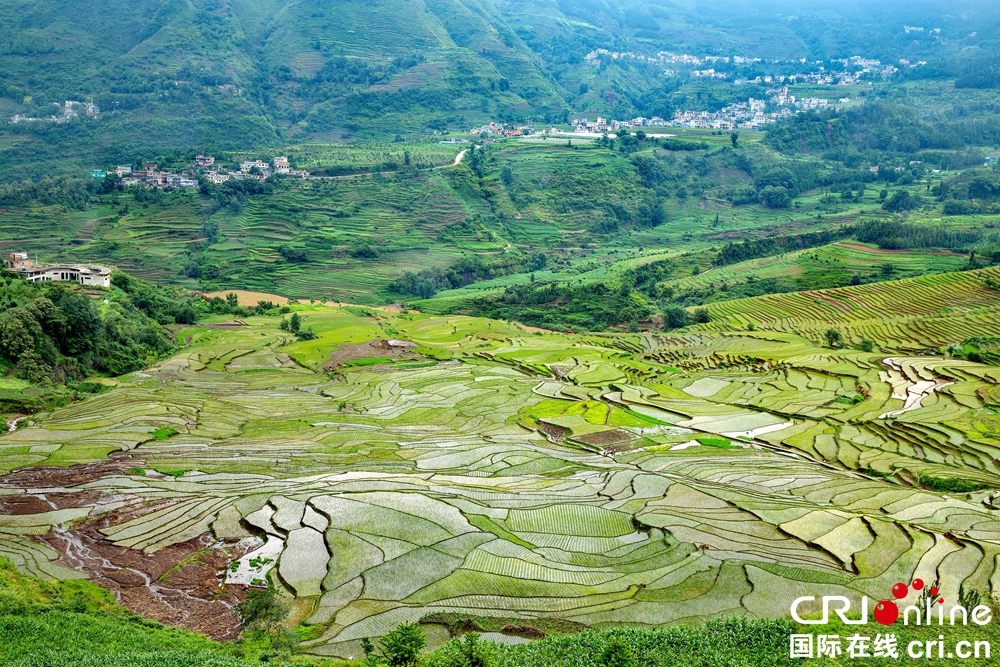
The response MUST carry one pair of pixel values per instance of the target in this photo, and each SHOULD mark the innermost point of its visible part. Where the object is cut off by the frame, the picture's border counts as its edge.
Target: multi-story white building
(85, 274)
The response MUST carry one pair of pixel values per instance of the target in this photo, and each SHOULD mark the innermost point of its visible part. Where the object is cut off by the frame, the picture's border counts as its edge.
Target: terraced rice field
(915, 314)
(601, 479)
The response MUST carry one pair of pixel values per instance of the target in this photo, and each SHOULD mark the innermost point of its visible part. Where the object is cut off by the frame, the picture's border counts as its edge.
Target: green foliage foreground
(732, 641)
(77, 624)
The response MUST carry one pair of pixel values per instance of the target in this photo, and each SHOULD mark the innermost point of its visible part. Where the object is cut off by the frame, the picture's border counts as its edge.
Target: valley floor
(590, 480)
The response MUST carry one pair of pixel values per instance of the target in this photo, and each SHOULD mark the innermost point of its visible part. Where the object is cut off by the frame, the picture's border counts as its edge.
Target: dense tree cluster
(62, 190)
(583, 307)
(902, 200)
(468, 270)
(892, 235)
(878, 126)
(741, 251)
(53, 332)
(980, 73)
(973, 191)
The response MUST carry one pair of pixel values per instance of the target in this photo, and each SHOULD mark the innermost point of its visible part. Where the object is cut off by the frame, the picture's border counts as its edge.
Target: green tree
(617, 653)
(48, 316)
(537, 261)
(866, 345)
(232, 300)
(426, 289)
(295, 323)
(19, 333)
(901, 200)
(475, 653)
(371, 657)
(31, 368)
(262, 610)
(833, 338)
(211, 230)
(775, 196)
(734, 137)
(507, 176)
(83, 323)
(402, 646)
(674, 317)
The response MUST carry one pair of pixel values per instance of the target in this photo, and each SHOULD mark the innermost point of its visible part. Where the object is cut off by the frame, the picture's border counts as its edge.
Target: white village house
(85, 274)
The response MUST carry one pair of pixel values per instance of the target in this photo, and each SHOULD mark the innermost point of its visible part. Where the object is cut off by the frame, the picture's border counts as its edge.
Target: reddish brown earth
(602, 438)
(66, 476)
(373, 349)
(180, 585)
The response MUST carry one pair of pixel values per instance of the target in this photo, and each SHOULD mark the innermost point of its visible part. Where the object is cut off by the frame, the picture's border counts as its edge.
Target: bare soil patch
(373, 349)
(604, 438)
(53, 477)
(556, 433)
(180, 585)
(247, 298)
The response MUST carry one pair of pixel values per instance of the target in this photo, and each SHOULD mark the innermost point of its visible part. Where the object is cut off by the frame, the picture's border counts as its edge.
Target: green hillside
(192, 76)
(186, 76)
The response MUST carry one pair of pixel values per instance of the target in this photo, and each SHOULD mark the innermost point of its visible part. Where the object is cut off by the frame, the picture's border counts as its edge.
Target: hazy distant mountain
(208, 74)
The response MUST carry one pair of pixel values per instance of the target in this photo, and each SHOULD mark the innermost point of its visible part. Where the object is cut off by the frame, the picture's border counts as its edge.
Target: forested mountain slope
(204, 75)
(207, 75)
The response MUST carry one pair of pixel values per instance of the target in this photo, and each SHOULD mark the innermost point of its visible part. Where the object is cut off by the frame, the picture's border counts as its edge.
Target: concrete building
(85, 274)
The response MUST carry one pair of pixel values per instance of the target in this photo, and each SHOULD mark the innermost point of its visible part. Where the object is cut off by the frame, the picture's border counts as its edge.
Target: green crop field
(592, 211)
(594, 479)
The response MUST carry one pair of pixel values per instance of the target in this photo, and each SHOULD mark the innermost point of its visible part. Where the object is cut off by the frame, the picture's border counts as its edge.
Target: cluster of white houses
(748, 115)
(503, 130)
(151, 176)
(85, 274)
(253, 169)
(65, 112)
(855, 67)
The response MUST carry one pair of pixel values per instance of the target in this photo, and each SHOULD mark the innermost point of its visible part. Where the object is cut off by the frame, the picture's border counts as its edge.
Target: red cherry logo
(918, 584)
(934, 590)
(899, 591)
(886, 612)
(940, 600)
